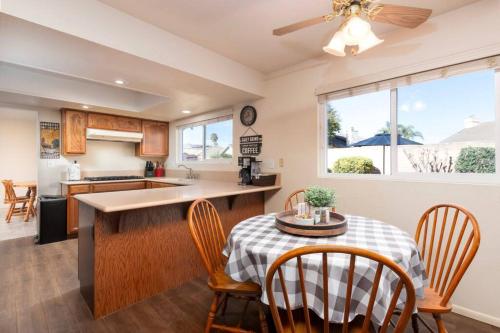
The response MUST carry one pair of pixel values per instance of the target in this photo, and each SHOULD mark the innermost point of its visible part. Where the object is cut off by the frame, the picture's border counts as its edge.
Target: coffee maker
(246, 162)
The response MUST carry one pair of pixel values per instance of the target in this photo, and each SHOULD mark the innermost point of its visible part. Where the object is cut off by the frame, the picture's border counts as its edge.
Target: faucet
(190, 174)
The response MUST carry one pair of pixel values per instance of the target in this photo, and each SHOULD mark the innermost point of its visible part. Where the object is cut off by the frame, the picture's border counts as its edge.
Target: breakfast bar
(135, 244)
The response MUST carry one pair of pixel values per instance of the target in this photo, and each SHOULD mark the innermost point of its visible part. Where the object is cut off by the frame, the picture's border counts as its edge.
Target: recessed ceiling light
(119, 81)
(85, 107)
(186, 111)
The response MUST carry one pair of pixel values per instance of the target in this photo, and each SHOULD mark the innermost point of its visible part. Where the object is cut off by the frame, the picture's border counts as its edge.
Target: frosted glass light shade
(355, 29)
(336, 45)
(369, 41)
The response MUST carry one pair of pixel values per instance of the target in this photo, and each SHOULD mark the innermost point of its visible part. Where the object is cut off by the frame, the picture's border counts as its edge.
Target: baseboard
(495, 321)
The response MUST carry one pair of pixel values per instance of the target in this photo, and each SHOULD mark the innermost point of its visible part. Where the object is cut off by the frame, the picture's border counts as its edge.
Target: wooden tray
(285, 221)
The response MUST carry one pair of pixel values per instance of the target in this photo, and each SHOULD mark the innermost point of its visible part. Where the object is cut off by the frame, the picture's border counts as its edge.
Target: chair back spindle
(294, 199)
(10, 194)
(448, 237)
(206, 229)
(404, 282)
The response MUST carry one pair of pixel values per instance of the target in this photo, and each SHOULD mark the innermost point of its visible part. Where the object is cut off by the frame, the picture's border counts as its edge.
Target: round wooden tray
(285, 221)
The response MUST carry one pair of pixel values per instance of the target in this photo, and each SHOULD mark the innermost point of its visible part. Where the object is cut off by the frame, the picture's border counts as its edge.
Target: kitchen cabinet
(72, 203)
(116, 123)
(159, 185)
(74, 126)
(155, 139)
(72, 206)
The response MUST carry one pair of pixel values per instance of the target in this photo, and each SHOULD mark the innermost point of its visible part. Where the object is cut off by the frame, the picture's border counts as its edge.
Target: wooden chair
(13, 200)
(304, 324)
(448, 237)
(294, 199)
(206, 229)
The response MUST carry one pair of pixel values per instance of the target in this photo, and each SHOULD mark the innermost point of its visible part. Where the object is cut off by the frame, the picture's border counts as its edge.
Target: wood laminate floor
(39, 293)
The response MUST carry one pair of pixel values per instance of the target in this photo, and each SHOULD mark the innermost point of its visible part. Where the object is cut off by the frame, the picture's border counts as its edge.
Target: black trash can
(51, 219)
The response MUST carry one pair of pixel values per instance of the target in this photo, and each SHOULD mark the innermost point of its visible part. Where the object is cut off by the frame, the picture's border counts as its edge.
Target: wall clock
(248, 115)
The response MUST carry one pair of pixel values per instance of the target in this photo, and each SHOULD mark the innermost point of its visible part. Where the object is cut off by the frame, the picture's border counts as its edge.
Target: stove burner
(97, 179)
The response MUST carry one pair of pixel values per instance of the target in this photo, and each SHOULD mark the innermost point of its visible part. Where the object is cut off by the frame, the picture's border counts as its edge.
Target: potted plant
(321, 200)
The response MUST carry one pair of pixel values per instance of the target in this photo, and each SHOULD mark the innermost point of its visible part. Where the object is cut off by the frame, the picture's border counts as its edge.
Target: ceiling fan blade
(403, 16)
(300, 25)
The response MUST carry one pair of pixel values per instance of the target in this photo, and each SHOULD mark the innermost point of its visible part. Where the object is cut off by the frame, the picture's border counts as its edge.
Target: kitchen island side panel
(142, 252)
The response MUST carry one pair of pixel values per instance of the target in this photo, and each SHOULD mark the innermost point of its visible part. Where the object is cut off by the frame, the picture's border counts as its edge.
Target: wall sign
(251, 145)
(49, 140)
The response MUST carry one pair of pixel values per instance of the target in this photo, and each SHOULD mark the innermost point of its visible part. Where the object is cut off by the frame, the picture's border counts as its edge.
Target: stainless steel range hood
(108, 135)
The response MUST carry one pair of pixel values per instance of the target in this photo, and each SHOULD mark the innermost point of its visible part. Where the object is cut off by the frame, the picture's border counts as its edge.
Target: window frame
(396, 175)
(203, 120)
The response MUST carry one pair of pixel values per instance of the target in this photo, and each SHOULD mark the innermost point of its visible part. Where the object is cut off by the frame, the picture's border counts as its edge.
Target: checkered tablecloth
(254, 244)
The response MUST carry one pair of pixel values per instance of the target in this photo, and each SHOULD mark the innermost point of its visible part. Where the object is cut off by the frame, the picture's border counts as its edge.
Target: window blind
(492, 62)
(206, 122)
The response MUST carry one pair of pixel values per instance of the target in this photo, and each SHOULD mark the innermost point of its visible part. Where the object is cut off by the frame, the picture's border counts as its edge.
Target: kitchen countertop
(168, 180)
(198, 189)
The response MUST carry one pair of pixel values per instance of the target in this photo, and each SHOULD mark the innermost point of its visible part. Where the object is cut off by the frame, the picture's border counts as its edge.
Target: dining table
(254, 244)
(31, 190)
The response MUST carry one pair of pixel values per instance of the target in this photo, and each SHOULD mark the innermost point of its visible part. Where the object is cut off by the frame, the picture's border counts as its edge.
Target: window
(207, 140)
(443, 122)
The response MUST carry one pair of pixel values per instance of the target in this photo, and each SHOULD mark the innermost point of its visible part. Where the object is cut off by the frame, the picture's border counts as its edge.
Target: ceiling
(242, 30)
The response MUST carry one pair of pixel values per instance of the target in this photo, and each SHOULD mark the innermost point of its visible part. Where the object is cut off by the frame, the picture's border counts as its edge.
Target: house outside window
(208, 140)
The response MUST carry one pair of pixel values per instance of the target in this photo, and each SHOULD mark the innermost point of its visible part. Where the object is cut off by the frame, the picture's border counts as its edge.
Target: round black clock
(248, 115)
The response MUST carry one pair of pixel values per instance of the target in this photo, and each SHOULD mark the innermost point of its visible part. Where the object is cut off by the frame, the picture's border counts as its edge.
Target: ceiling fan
(355, 30)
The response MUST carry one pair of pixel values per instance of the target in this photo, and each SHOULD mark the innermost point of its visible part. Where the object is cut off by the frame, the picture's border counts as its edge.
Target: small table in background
(31, 193)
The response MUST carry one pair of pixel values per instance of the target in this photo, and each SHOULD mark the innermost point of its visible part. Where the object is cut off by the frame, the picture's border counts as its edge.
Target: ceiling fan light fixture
(336, 45)
(355, 29)
(370, 40)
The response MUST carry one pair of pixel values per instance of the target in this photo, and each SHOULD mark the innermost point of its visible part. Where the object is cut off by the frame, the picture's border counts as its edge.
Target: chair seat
(21, 199)
(431, 303)
(355, 326)
(221, 282)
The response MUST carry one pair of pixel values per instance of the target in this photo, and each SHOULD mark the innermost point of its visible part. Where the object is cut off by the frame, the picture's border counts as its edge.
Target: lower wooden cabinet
(159, 185)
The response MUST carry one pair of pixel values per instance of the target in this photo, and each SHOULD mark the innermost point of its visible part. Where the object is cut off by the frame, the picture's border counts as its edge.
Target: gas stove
(104, 178)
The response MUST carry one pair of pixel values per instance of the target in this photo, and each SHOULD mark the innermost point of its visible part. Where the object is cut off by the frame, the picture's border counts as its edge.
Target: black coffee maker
(245, 162)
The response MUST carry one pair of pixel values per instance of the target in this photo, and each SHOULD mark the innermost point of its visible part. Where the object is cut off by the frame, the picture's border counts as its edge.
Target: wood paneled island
(135, 244)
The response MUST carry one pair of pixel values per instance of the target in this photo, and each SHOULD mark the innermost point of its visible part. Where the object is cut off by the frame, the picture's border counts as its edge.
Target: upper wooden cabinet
(117, 123)
(155, 140)
(74, 126)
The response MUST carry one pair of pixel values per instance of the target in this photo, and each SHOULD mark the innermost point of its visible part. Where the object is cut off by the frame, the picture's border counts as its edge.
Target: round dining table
(254, 244)
(31, 193)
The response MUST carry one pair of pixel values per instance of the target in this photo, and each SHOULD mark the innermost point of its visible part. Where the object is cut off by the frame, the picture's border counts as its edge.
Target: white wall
(288, 121)
(18, 159)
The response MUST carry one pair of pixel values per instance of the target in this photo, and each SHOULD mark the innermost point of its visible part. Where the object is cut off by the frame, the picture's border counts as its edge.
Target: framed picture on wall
(49, 140)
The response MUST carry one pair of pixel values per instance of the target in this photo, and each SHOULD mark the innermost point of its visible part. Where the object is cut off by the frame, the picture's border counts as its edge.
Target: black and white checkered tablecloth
(254, 244)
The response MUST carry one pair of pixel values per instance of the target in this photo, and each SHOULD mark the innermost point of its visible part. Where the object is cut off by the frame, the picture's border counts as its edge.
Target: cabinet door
(101, 121)
(74, 125)
(161, 185)
(155, 140)
(127, 124)
(72, 216)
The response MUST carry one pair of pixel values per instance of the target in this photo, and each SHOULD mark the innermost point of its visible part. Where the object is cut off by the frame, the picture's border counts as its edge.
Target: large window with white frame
(438, 122)
(211, 139)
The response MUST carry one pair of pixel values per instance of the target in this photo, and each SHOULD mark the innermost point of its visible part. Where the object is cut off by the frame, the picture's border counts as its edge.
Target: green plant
(319, 197)
(356, 164)
(476, 160)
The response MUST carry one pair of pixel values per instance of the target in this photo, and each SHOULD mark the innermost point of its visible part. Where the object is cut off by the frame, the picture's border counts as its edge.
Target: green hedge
(476, 160)
(353, 165)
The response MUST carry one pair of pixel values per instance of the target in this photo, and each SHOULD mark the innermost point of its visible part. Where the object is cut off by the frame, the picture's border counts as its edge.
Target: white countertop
(134, 199)
(168, 180)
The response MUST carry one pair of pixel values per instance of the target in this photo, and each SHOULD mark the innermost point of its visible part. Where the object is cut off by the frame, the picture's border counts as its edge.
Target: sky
(435, 108)
(223, 129)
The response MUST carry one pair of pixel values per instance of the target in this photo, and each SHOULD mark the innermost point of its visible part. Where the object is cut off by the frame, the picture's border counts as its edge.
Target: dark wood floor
(39, 293)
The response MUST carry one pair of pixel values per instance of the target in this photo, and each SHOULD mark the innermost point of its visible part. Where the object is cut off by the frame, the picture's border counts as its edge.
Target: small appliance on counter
(51, 219)
(74, 171)
(159, 170)
(245, 175)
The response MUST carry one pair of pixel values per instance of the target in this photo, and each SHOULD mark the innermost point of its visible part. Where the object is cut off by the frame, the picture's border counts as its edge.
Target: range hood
(108, 135)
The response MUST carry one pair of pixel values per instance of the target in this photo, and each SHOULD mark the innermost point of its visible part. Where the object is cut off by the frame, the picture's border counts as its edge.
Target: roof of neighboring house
(483, 132)
(337, 141)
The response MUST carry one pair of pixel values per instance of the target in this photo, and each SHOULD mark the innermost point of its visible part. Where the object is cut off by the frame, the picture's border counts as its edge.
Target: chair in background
(13, 200)
(294, 321)
(448, 237)
(206, 229)
(294, 199)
